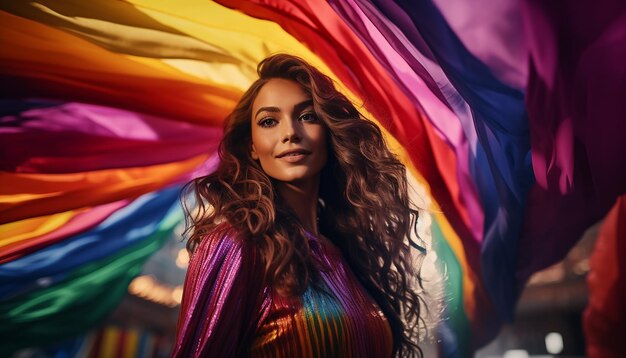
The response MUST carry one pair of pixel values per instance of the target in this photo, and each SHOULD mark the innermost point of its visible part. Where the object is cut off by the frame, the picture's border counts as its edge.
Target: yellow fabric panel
(34, 227)
(44, 54)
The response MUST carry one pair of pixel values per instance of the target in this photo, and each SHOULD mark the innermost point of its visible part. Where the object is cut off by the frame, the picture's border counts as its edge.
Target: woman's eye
(267, 122)
(308, 117)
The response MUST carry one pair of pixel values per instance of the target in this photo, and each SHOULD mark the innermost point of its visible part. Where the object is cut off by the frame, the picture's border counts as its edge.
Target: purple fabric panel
(491, 31)
(442, 118)
(77, 137)
(102, 121)
(352, 11)
(501, 169)
(577, 117)
(405, 39)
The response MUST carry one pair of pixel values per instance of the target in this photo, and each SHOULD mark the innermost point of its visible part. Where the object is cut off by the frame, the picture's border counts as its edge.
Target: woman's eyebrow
(296, 108)
(272, 109)
(302, 105)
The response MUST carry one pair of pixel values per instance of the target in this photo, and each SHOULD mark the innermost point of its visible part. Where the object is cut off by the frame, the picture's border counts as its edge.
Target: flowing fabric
(72, 285)
(508, 116)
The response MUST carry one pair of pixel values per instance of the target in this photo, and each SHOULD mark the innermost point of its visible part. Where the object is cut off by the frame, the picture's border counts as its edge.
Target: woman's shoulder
(225, 243)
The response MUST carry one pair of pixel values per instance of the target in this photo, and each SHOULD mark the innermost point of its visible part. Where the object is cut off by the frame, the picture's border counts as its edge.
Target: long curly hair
(364, 203)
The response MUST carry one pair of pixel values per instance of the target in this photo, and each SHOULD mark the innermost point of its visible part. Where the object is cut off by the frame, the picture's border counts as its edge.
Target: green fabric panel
(455, 316)
(80, 302)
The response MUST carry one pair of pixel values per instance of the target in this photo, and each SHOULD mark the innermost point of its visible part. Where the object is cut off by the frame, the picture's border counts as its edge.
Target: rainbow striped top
(229, 310)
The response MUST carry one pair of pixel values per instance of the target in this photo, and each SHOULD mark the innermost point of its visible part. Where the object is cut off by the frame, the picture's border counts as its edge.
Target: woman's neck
(301, 198)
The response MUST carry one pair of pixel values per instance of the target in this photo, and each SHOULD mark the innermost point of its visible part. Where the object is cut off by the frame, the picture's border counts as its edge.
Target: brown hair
(364, 203)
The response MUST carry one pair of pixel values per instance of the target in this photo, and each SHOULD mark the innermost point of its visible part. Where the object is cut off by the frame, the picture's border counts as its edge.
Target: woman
(301, 239)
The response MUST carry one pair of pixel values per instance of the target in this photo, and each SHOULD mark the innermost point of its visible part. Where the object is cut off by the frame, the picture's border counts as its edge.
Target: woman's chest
(335, 318)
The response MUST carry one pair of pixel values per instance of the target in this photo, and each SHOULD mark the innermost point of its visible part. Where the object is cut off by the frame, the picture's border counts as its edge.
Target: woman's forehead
(280, 93)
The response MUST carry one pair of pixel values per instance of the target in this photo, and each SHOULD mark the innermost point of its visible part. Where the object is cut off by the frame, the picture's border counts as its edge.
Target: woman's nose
(290, 132)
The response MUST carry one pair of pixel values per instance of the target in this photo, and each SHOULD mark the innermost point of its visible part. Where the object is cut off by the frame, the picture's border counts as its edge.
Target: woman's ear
(253, 152)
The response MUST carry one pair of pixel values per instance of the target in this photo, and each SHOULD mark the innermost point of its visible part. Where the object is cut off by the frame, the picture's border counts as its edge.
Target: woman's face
(288, 139)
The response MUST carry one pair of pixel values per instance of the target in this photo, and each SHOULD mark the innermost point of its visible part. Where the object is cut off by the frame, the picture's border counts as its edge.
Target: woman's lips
(294, 157)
